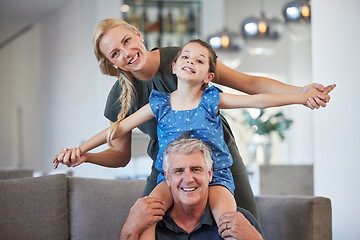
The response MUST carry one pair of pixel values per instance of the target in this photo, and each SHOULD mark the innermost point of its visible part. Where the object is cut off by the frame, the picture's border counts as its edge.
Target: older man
(188, 171)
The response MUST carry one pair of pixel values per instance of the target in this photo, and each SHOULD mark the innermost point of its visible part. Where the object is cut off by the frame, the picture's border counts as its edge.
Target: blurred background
(53, 94)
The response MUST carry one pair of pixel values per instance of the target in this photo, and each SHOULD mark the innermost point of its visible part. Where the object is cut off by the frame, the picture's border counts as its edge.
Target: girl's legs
(161, 191)
(221, 201)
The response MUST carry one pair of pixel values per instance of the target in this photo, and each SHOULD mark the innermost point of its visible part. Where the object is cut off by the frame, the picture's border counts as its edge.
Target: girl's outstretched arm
(126, 125)
(231, 101)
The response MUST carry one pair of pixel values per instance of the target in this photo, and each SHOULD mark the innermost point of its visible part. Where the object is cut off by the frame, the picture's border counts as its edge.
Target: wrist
(299, 90)
(87, 157)
(129, 236)
(128, 233)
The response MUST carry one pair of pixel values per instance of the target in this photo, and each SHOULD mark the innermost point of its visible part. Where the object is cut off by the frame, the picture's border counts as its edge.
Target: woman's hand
(234, 224)
(69, 157)
(322, 99)
(145, 212)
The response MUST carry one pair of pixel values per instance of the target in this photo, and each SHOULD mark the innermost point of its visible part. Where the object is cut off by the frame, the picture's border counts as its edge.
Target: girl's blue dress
(203, 122)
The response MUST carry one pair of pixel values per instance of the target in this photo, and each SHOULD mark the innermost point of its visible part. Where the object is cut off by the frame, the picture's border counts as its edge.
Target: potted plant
(262, 126)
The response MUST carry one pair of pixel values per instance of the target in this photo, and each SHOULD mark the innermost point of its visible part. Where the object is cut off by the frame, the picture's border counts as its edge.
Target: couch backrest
(34, 208)
(99, 207)
(14, 173)
(295, 217)
(60, 207)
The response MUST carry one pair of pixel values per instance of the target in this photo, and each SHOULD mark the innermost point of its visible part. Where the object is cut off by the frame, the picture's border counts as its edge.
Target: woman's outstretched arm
(255, 84)
(121, 141)
(231, 101)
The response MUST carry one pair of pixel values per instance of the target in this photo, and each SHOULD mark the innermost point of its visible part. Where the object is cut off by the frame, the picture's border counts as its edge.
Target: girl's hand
(69, 157)
(320, 100)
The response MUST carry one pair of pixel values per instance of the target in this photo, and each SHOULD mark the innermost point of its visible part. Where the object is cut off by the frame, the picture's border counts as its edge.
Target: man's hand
(234, 224)
(144, 212)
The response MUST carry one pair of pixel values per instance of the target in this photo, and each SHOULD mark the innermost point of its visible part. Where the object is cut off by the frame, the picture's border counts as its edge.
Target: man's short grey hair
(187, 145)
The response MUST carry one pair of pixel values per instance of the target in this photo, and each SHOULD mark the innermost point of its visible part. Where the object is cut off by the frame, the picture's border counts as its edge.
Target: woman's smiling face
(124, 49)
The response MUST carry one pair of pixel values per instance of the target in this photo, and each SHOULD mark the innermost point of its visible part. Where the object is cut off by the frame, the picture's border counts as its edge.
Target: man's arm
(241, 225)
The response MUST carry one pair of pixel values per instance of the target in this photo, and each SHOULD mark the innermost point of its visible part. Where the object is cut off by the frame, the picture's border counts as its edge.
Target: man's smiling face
(188, 178)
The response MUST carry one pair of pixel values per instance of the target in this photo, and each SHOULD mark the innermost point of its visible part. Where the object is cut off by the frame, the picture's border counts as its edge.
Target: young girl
(194, 107)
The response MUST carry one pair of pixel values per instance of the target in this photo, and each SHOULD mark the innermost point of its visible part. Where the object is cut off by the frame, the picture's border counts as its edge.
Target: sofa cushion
(34, 208)
(295, 217)
(99, 207)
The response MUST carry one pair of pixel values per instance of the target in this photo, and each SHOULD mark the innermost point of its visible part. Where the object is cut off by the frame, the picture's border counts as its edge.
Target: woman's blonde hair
(106, 67)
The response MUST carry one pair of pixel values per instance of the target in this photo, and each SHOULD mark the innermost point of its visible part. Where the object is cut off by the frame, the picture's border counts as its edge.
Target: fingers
(322, 100)
(153, 208)
(59, 157)
(78, 158)
(69, 157)
(148, 209)
(154, 205)
(329, 88)
(67, 160)
(64, 156)
(319, 86)
(55, 159)
(324, 97)
(222, 228)
(74, 157)
(55, 162)
(226, 222)
(312, 104)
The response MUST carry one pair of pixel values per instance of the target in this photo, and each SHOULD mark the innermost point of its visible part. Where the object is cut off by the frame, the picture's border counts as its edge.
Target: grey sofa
(60, 207)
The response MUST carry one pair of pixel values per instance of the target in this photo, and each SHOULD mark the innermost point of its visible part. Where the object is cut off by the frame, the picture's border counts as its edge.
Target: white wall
(335, 56)
(50, 78)
(291, 63)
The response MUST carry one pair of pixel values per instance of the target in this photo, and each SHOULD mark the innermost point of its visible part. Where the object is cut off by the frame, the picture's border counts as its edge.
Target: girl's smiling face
(193, 64)
(124, 49)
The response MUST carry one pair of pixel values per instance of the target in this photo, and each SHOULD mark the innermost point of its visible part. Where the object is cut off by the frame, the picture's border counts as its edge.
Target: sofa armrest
(295, 217)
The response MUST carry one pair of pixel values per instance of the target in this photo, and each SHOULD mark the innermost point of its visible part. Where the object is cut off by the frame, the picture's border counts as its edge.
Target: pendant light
(261, 33)
(298, 18)
(225, 41)
(228, 45)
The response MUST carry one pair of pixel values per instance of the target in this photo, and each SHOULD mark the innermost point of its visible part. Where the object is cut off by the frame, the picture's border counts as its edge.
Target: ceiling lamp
(261, 33)
(227, 44)
(298, 18)
(225, 41)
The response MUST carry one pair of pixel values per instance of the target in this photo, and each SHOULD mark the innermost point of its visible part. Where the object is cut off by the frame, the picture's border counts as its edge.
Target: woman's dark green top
(165, 81)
